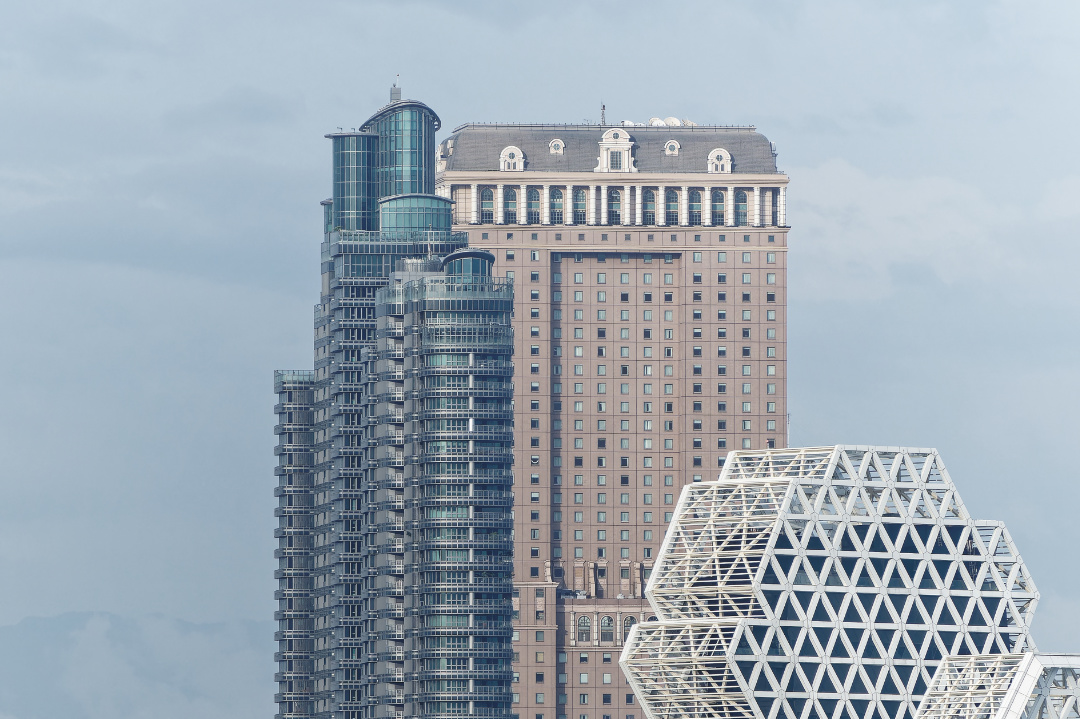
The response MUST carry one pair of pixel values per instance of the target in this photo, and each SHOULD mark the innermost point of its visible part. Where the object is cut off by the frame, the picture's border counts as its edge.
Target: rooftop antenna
(395, 91)
(603, 116)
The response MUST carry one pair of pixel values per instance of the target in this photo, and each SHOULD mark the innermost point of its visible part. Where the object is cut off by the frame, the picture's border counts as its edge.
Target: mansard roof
(476, 147)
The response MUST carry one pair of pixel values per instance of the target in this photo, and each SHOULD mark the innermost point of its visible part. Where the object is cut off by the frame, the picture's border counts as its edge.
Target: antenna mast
(603, 116)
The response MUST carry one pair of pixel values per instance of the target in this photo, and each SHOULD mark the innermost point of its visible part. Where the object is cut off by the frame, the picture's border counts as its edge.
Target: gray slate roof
(477, 147)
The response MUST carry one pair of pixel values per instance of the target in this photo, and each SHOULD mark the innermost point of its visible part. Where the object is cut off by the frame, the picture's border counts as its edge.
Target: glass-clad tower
(438, 419)
(358, 474)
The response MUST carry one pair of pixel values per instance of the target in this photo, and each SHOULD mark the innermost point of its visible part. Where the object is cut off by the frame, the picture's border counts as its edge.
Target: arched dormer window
(720, 161)
(671, 208)
(695, 207)
(648, 207)
(533, 206)
(614, 207)
(740, 208)
(510, 206)
(487, 206)
(556, 206)
(511, 159)
(584, 629)
(556, 146)
(616, 152)
(671, 148)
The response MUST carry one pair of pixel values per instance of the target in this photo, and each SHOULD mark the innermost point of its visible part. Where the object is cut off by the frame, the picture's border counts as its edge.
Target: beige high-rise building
(650, 339)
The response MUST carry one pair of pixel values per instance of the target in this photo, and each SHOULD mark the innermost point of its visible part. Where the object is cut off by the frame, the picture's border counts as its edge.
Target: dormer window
(555, 147)
(720, 161)
(616, 152)
(671, 148)
(511, 159)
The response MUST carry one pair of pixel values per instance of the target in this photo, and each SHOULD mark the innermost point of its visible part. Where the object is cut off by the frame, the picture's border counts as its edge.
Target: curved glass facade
(405, 163)
(355, 199)
(469, 264)
(412, 213)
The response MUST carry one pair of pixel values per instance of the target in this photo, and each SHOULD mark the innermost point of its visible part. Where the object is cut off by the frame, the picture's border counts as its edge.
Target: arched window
(509, 206)
(579, 206)
(718, 207)
(614, 207)
(740, 208)
(671, 207)
(648, 207)
(607, 629)
(534, 206)
(627, 625)
(584, 629)
(556, 206)
(487, 206)
(695, 207)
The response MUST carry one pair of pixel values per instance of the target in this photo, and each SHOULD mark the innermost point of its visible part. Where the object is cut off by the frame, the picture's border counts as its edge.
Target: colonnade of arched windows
(607, 628)
(679, 206)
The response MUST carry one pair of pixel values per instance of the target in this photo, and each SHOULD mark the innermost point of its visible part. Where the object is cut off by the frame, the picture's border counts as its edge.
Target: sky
(161, 166)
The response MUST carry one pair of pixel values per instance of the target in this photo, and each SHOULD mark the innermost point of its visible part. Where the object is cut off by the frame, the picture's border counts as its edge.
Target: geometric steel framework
(1011, 686)
(823, 583)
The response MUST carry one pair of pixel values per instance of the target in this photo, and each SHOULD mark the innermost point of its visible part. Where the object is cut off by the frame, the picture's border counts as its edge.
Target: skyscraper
(650, 326)
(394, 463)
(650, 265)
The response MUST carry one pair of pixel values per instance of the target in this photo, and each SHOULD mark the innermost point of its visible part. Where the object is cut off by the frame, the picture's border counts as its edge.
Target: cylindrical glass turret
(355, 200)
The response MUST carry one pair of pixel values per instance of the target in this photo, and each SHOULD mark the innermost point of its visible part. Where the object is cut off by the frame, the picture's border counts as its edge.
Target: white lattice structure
(1005, 686)
(823, 583)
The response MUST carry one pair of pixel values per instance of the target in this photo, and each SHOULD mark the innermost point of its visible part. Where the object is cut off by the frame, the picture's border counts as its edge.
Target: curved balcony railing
(495, 434)
(503, 455)
(484, 368)
(474, 564)
(478, 653)
(434, 674)
(501, 522)
(496, 545)
(483, 503)
(505, 414)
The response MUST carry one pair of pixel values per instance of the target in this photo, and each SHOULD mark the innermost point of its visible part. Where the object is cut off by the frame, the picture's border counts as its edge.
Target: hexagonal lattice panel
(1005, 686)
(823, 583)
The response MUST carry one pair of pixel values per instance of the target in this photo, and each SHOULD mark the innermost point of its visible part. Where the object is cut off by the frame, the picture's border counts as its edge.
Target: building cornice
(674, 179)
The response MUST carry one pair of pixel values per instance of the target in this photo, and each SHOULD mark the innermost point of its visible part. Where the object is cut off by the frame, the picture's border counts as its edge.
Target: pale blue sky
(161, 166)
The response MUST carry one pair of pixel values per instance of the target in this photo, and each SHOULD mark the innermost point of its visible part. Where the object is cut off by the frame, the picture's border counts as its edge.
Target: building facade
(436, 419)
(394, 462)
(845, 582)
(650, 326)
